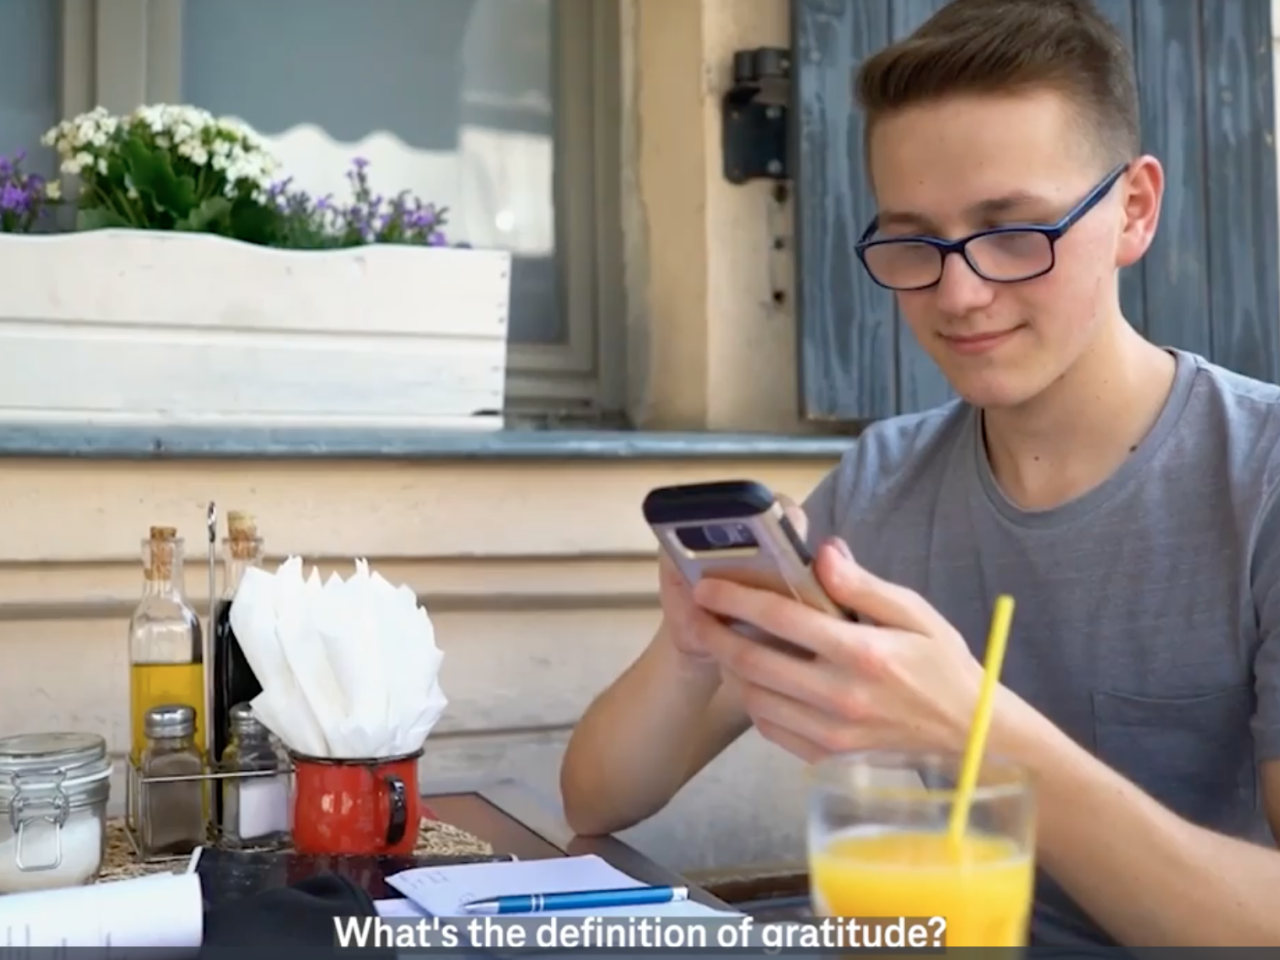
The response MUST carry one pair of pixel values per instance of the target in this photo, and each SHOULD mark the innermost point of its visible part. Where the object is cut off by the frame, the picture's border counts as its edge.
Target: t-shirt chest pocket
(1193, 754)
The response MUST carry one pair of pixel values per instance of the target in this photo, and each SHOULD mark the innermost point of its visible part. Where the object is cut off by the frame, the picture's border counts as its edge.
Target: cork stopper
(160, 553)
(241, 525)
(242, 535)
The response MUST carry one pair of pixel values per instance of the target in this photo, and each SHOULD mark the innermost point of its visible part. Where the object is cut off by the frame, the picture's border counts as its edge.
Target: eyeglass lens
(999, 257)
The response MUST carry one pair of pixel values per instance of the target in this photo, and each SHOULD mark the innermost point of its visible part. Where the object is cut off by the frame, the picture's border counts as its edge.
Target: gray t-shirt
(1148, 620)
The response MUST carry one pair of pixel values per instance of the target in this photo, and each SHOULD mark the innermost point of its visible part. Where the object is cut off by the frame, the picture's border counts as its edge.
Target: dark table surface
(516, 819)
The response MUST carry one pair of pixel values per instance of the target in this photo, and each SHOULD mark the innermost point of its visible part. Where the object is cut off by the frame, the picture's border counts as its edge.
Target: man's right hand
(663, 720)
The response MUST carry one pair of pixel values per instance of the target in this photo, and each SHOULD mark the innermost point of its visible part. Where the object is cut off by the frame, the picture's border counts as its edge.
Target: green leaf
(253, 222)
(210, 217)
(153, 176)
(99, 218)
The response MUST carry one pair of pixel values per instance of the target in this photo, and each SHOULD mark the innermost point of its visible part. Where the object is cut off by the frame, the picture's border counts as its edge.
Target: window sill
(201, 443)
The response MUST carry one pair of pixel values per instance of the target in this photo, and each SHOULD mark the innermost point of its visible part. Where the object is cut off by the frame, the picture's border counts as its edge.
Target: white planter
(143, 328)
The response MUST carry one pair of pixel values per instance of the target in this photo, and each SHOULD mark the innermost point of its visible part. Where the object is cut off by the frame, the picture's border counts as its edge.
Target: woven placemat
(434, 839)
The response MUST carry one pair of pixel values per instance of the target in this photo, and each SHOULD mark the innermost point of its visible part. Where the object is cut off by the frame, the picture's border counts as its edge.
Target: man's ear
(1142, 193)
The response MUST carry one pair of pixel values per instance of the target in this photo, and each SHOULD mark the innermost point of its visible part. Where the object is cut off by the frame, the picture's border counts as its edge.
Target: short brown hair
(1001, 46)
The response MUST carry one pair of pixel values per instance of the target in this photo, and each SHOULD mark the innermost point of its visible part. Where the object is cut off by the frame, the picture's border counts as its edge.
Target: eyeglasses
(1000, 255)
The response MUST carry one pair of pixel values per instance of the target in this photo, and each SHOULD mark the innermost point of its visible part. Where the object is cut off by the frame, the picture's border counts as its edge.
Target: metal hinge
(755, 131)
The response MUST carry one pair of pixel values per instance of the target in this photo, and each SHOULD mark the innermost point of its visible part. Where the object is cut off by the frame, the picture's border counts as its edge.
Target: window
(501, 110)
(28, 80)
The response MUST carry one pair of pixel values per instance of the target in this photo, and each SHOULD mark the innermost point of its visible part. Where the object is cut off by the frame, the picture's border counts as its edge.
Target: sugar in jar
(53, 810)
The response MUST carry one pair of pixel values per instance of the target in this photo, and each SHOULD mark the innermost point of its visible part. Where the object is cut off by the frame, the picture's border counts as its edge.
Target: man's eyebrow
(991, 207)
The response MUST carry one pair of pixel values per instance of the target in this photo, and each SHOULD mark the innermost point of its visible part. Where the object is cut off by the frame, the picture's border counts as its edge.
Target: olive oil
(163, 684)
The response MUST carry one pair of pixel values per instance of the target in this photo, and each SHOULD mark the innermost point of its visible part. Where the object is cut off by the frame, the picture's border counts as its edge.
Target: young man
(1124, 494)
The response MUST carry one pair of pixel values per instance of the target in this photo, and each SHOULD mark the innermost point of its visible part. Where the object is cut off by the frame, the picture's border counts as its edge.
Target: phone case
(739, 533)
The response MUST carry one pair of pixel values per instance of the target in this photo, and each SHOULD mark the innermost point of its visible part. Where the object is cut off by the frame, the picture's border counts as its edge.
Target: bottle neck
(163, 576)
(238, 556)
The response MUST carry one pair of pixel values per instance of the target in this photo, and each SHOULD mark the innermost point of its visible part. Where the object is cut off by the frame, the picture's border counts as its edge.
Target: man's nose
(960, 290)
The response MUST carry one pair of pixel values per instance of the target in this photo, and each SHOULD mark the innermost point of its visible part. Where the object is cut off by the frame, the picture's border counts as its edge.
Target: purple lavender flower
(14, 199)
(367, 218)
(24, 198)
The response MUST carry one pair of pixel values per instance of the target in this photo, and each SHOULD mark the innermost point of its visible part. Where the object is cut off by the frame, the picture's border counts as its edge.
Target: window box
(148, 328)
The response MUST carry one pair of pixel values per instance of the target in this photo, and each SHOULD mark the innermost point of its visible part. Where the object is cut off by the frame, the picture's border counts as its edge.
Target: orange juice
(982, 888)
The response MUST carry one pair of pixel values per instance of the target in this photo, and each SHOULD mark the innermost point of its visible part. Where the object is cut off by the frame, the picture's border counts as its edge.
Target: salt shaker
(255, 804)
(173, 810)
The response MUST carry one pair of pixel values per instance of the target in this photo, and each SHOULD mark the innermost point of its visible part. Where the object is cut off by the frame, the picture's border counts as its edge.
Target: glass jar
(255, 792)
(53, 810)
(172, 795)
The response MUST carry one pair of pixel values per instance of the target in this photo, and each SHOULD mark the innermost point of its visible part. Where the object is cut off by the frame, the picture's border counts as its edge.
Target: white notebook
(162, 915)
(441, 891)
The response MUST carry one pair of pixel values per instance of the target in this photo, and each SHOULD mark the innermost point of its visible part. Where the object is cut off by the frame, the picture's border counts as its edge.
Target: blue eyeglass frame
(1051, 231)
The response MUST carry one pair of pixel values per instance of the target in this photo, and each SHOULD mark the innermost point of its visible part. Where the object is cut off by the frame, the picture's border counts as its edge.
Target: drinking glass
(879, 849)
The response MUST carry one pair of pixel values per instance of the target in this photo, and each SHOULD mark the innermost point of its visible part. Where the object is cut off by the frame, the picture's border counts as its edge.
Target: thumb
(860, 591)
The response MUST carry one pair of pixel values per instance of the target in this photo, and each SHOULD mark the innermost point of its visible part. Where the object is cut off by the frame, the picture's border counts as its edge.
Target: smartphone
(736, 530)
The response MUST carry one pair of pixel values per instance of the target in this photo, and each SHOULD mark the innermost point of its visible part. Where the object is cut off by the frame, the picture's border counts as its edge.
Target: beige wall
(539, 577)
(709, 347)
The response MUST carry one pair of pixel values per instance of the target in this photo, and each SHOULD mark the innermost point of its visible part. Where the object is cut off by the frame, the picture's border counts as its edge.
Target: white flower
(226, 144)
(86, 133)
(53, 190)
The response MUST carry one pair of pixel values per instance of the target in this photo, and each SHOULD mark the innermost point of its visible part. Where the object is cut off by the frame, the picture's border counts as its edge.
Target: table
(517, 820)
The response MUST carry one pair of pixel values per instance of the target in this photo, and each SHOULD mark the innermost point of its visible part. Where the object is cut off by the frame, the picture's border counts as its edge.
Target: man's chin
(993, 391)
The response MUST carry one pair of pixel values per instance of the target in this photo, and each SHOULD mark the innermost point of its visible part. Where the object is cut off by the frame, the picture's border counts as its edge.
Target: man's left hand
(904, 680)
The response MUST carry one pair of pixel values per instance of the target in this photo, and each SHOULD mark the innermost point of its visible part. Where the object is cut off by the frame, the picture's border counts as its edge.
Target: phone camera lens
(718, 536)
(723, 535)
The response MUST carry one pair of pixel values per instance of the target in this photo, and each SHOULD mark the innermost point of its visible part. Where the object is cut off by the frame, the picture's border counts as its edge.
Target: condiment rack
(137, 788)
(186, 757)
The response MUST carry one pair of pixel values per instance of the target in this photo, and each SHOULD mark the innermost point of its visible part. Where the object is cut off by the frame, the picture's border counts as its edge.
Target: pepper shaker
(174, 821)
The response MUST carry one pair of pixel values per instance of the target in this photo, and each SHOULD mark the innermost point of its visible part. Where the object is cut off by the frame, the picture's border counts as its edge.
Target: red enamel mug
(356, 807)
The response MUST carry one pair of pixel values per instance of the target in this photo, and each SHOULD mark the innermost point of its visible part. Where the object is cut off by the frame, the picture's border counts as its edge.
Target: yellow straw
(997, 639)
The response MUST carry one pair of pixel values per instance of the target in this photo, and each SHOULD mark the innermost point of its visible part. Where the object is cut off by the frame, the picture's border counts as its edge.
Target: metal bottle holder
(137, 786)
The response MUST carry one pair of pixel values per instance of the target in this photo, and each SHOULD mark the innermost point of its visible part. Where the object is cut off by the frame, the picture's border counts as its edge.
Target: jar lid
(170, 720)
(44, 760)
(244, 720)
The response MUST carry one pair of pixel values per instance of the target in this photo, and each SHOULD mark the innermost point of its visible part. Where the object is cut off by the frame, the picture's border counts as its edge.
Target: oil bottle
(234, 681)
(166, 665)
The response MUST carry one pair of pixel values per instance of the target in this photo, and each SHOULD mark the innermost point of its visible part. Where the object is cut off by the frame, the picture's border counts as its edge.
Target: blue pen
(579, 900)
